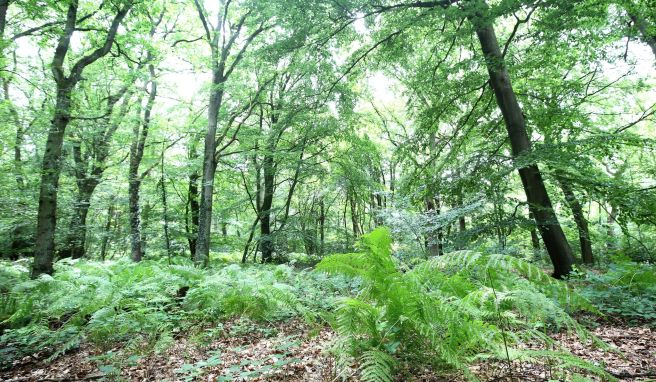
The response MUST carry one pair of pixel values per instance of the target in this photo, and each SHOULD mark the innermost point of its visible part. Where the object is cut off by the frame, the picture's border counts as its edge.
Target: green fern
(376, 366)
(447, 312)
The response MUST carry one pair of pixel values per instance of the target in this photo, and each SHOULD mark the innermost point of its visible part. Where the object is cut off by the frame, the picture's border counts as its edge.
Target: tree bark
(579, 219)
(536, 192)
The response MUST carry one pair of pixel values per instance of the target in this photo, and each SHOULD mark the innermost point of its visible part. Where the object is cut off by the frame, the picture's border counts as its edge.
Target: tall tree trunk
(322, 226)
(4, 4)
(536, 192)
(579, 219)
(50, 170)
(202, 255)
(165, 215)
(134, 177)
(136, 247)
(266, 239)
(51, 165)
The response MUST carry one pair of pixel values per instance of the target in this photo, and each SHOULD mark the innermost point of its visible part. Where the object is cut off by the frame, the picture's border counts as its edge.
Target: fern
(376, 366)
(447, 312)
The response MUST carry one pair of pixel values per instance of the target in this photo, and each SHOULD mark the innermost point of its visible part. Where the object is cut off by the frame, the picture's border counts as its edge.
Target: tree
(91, 150)
(536, 193)
(51, 164)
(224, 58)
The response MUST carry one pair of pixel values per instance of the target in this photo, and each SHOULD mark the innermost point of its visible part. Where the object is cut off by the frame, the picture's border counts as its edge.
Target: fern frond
(376, 366)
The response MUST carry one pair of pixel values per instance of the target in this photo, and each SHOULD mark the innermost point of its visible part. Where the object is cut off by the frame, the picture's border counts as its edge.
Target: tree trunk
(322, 226)
(134, 177)
(202, 255)
(193, 210)
(536, 192)
(354, 216)
(136, 252)
(75, 243)
(434, 235)
(244, 257)
(611, 244)
(108, 226)
(21, 241)
(266, 241)
(647, 33)
(579, 219)
(4, 4)
(44, 248)
(165, 215)
(535, 240)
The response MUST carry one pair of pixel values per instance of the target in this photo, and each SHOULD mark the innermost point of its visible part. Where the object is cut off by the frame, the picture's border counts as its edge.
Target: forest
(328, 190)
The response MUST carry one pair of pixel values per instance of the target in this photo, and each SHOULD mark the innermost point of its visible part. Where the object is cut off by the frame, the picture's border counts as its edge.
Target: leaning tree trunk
(534, 187)
(579, 219)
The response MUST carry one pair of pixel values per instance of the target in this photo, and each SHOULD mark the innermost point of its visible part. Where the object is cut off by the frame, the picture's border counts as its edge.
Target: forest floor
(294, 351)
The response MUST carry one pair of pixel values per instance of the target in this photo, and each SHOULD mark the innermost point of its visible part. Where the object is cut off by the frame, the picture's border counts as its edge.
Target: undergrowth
(627, 289)
(449, 312)
(144, 306)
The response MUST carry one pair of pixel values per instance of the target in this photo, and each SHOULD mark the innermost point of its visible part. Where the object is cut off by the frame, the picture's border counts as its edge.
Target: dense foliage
(171, 166)
(147, 305)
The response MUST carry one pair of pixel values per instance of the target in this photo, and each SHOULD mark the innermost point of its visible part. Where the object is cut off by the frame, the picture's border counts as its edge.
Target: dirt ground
(295, 352)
